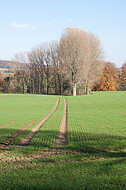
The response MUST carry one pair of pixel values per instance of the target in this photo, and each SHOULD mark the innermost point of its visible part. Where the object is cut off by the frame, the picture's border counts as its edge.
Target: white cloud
(16, 25)
(35, 27)
(28, 27)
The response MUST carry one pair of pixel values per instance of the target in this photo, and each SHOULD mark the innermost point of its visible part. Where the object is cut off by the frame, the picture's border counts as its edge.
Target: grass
(23, 109)
(94, 157)
(97, 121)
(49, 133)
(47, 137)
(65, 172)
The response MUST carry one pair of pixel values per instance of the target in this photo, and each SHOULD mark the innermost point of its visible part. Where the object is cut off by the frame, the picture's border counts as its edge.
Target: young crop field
(97, 122)
(56, 142)
(23, 109)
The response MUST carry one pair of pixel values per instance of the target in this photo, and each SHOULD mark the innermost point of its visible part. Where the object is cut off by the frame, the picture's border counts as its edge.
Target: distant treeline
(74, 65)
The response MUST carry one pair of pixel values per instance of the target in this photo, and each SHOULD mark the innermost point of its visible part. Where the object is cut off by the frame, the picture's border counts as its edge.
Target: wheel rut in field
(29, 137)
(7, 124)
(63, 135)
(12, 137)
(4, 95)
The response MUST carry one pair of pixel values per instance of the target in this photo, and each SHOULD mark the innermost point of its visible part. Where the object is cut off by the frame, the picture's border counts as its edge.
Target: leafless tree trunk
(73, 51)
(21, 61)
(96, 63)
(36, 62)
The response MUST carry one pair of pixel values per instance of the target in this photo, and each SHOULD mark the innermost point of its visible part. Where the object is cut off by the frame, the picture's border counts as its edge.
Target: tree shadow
(91, 143)
(89, 153)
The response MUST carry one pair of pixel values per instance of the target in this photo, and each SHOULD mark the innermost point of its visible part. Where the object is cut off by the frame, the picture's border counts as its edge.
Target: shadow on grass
(86, 162)
(77, 142)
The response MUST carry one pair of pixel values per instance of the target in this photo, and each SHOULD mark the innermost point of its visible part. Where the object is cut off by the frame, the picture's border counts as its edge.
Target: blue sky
(28, 23)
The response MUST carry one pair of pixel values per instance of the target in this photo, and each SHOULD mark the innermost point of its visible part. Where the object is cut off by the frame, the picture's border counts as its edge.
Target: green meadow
(23, 109)
(97, 122)
(94, 158)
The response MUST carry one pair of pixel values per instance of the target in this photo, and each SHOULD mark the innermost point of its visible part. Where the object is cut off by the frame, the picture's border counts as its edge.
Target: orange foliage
(123, 77)
(123, 72)
(109, 80)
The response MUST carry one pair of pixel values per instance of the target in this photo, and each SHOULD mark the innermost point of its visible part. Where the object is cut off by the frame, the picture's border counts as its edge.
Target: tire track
(63, 135)
(29, 137)
(7, 124)
(4, 95)
(12, 137)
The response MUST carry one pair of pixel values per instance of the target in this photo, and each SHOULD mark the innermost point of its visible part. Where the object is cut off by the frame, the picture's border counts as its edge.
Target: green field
(94, 158)
(98, 121)
(23, 109)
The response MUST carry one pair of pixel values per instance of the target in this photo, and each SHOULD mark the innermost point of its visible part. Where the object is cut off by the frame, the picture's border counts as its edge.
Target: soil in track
(28, 138)
(7, 123)
(63, 135)
(12, 137)
(4, 96)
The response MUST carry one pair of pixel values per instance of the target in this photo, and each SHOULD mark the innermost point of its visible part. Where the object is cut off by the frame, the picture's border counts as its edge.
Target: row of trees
(65, 67)
(112, 79)
(71, 66)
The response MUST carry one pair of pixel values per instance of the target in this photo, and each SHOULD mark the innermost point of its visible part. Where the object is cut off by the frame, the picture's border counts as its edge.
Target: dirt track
(4, 95)
(7, 123)
(12, 137)
(63, 135)
(29, 137)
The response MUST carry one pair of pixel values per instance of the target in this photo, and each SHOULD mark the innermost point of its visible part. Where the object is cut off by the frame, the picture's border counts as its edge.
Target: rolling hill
(7, 66)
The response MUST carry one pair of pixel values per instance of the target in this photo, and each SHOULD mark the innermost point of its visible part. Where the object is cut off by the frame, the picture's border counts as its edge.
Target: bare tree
(36, 67)
(73, 53)
(55, 67)
(65, 67)
(21, 61)
(96, 64)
